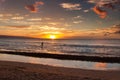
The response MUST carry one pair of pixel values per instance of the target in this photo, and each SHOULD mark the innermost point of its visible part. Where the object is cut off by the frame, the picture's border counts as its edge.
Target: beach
(26, 71)
(59, 40)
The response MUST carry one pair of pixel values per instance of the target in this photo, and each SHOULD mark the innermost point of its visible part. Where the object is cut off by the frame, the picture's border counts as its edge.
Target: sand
(27, 71)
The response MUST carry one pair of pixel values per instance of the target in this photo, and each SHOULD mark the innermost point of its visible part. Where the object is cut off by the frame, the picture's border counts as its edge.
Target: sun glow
(52, 36)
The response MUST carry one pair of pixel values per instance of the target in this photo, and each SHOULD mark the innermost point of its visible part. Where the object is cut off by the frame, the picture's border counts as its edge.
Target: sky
(65, 19)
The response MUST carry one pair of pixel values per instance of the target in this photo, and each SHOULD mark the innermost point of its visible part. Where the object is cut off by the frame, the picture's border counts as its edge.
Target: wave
(91, 46)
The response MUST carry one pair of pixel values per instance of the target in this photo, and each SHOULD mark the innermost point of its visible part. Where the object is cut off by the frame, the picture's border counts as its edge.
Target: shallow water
(61, 63)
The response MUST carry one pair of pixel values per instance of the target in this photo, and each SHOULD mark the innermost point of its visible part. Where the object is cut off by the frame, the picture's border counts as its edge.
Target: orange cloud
(111, 4)
(100, 12)
(34, 7)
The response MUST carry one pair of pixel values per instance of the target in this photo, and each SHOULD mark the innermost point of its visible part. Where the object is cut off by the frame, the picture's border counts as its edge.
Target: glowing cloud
(70, 6)
(77, 22)
(17, 18)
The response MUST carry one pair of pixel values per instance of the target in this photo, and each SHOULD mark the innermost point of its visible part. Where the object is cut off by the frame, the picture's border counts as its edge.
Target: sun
(52, 36)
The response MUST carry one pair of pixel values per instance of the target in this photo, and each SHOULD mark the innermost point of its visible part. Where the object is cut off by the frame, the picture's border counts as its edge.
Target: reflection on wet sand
(43, 61)
(61, 63)
(100, 65)
(32, 60)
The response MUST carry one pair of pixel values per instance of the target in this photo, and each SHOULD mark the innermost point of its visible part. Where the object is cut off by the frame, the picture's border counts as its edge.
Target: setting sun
(52, 36)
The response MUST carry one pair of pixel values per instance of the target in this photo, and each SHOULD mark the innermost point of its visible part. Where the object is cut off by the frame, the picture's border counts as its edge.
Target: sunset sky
(73, 19)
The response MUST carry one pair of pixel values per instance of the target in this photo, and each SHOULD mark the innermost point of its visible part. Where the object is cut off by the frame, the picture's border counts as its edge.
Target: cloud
(111, 4)
(107, 4)
(67, 25)
(86, 10)
(35, 19)
(31, 8)
(117, 32)
(77, 17)
(1, 1)
(114, 30)
(53, 23)
(34, 7)
(70, 6)
(6, 15)
(47, 18)
(20, 26)
(100, 12)
(47, 28)
(39, 3)
(77, 22)
(102, 2)
(91, 1)
(18, 18)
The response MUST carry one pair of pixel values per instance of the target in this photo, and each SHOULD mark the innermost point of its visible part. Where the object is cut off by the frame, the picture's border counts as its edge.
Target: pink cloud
(34, 7)
(31, 8)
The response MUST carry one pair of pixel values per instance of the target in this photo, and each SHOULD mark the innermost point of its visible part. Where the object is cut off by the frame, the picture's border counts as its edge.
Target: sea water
(108, 48)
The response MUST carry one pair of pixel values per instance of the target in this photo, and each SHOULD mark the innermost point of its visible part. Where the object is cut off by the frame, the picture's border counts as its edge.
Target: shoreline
(66, 57)
(27, 71)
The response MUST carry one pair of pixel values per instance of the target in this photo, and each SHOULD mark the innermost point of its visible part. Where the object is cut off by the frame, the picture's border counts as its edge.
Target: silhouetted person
(42, 45)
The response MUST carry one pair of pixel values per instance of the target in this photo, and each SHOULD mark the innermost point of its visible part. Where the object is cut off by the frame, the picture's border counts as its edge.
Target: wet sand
(66, 57)
(27, 71)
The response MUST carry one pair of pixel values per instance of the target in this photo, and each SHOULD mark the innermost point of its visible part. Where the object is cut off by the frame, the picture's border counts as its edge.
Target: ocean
(104, 48)
(108, 48)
